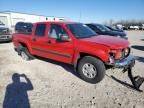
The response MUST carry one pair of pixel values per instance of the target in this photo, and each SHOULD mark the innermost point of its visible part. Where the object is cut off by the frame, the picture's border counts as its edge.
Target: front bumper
(6, 37)
(124, 63)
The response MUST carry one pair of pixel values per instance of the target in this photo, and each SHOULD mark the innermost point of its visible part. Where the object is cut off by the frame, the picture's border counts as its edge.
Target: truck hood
(112, 42)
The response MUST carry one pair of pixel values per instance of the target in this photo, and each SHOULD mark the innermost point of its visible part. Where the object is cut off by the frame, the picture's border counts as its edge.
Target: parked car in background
(125, 27)
(75, 44)
(134, 28)
(141, 27)
(103, 30)
(114, 29)
(119, 26)
(5, 33)
(23, 27)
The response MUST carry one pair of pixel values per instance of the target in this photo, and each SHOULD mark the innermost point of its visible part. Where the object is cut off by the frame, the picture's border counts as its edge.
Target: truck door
(46, 43)
(59, 50)
(39, 40)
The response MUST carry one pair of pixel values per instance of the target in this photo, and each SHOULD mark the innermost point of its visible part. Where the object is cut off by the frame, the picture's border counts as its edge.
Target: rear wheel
(91, 69)
(25, 54)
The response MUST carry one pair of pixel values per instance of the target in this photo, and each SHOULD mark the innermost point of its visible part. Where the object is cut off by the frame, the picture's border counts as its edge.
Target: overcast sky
(79, 10)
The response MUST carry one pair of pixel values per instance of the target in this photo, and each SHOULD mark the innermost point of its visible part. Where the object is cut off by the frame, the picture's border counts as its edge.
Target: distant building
(10, 18)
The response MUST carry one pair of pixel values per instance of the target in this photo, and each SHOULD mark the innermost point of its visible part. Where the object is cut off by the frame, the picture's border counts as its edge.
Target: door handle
(49, 42)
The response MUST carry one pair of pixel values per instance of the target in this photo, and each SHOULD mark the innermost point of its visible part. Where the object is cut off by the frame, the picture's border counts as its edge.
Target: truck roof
(58, 22)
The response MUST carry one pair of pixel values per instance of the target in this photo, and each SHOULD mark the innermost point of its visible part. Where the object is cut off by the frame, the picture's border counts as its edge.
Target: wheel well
(81, 55)
(85, 54)
(23, 44)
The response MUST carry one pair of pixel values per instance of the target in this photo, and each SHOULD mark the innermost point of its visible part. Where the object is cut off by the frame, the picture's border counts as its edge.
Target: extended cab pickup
(76, 44)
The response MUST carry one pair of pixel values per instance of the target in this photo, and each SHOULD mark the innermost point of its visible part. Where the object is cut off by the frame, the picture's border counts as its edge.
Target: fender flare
(27, 45)
(77, 57)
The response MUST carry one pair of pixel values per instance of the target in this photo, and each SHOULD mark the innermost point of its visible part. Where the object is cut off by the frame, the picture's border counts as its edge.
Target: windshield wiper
(85, 37)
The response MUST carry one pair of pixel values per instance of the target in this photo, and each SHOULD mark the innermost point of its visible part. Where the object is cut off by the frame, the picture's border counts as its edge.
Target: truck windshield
(1, 23)
(81, 30)
(102, 28)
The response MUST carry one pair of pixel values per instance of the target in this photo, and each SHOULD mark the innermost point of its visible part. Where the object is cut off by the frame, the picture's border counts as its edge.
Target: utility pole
(80, 16)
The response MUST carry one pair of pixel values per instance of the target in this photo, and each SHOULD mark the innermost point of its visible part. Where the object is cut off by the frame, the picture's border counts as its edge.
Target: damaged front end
(126, 62)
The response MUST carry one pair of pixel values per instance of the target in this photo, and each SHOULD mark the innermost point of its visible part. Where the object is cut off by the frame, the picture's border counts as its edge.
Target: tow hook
(136, 81)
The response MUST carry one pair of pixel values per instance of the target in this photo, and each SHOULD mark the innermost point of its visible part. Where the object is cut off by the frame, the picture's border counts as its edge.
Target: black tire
(24, 52)
(98, 66)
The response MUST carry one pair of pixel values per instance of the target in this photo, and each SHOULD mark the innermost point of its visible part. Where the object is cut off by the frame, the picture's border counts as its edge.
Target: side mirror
(65, 38)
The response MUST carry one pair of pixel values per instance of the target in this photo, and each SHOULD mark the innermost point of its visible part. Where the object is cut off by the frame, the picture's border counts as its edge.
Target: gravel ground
(54, 85)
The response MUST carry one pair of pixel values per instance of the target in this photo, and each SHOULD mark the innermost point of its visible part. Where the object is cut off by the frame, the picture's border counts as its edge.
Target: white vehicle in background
(134, 27)
(142, 28)
(119, 26)
(5, 34)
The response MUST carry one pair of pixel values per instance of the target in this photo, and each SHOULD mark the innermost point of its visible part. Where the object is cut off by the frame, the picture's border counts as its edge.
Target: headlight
(120, 54)
(126, 51)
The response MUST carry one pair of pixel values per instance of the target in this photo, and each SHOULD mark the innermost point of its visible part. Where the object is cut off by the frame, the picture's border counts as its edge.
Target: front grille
(4, 31)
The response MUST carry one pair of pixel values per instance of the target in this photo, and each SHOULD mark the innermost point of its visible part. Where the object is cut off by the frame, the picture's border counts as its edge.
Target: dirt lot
(56, 86)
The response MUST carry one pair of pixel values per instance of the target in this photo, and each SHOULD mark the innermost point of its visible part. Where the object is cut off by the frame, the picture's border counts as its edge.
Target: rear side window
(40, 30)
(24, 28)
(18, 26)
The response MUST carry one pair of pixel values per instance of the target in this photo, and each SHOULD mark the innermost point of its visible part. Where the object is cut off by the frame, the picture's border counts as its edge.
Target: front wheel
(91, 69)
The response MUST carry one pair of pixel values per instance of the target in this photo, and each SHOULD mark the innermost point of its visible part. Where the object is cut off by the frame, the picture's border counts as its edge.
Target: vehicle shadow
(67, 67)
(121, 82)
(140, 59)
(16, 92)
(138, 47)
(5, 42)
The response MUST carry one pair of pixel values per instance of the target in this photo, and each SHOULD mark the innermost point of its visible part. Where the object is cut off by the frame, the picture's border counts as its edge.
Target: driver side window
(56, 31)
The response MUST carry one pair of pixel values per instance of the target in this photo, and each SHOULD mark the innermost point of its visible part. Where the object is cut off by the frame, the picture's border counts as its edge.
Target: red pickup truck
(76, 44)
